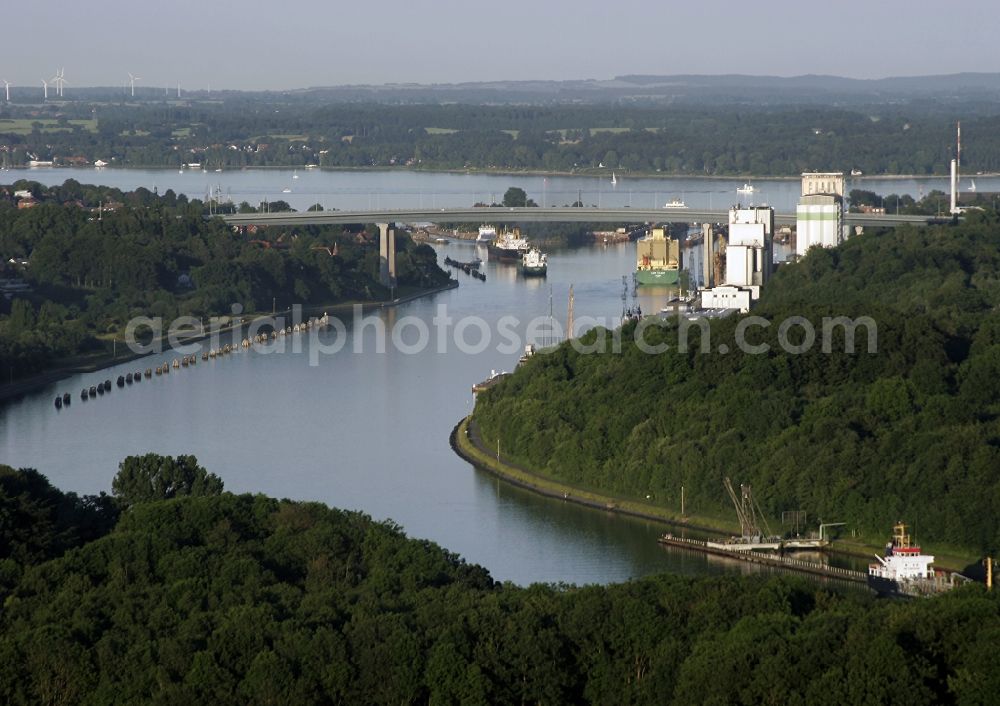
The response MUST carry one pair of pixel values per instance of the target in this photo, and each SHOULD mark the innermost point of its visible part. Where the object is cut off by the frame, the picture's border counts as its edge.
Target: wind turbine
(6, 85)
(131, 80)
(45, 89)
(60, 80)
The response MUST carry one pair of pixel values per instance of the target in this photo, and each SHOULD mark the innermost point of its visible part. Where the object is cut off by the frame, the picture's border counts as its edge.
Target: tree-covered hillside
(216, 598)
(909, 432)
(97, 257)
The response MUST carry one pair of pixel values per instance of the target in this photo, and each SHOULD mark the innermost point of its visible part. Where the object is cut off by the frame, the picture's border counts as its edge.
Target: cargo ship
(486, 233)
(906, 571)
(508, 246)
(658, 259)
(534, 263)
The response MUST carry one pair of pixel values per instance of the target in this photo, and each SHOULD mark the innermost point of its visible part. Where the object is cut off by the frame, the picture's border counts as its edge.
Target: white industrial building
(819, 216)
(749, 259)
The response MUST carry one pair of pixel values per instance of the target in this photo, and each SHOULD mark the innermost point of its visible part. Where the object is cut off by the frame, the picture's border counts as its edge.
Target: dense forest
(96, 257)
(780, 140)
(171, 590)
(909, 432)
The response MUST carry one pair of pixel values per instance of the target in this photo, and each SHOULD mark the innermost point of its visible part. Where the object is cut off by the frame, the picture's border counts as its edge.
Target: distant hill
(630, 89)
(727, 88)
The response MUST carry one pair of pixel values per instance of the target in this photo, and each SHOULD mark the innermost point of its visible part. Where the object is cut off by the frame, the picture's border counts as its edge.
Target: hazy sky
(252, 44)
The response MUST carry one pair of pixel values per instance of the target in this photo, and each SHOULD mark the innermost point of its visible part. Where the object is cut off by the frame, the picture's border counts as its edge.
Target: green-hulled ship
(658, 259)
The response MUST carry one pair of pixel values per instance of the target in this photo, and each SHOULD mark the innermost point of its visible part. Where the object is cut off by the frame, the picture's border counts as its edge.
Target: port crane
(748, 511)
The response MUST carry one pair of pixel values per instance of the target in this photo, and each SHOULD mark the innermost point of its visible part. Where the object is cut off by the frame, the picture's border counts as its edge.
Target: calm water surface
(366, 430)
(403, 189)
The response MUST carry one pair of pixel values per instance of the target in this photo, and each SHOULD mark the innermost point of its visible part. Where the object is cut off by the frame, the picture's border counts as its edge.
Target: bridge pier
(707, 257)
(387, 254)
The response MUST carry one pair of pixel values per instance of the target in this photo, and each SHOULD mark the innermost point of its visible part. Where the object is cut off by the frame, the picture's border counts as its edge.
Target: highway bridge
(541, 215)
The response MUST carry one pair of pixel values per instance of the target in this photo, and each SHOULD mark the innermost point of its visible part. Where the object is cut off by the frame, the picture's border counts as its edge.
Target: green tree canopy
(152, 477)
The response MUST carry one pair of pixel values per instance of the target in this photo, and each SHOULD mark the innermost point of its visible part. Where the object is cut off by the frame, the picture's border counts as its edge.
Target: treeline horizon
(752, 140)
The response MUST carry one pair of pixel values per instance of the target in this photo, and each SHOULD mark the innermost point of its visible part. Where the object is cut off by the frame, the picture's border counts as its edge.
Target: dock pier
(775, 560)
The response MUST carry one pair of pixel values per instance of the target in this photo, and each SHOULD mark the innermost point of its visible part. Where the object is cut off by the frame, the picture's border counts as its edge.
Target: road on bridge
(539, 215)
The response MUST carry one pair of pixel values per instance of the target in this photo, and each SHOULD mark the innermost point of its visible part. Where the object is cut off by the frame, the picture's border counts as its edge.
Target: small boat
(137, 376)
(747, 189)
(286, 191)
(675, 203)
(59, 402)
(149, 372)
(121, 381)
(93, 390)
(100, 389)
(972, 186)
(67, 398)
(84, 394)
(295, 175)
(107, 385)
(128, 379)
(856, 172)
(442, 241)
(176, 363)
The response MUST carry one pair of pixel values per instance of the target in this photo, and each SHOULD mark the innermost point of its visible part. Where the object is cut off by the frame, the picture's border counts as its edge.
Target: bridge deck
(541, 215)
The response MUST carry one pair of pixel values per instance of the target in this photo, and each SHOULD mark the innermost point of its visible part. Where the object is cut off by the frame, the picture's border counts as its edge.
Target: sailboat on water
(972, 186)
(614, 179)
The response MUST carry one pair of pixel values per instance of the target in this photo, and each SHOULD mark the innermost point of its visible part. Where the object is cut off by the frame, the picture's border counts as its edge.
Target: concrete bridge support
(387, 254)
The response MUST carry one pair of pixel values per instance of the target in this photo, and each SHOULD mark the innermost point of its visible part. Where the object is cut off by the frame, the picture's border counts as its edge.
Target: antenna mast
(958, 150)
(569, 316)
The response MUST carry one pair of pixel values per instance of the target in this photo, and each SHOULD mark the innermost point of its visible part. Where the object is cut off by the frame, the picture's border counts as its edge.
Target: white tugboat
(534, 263)
(906, 571)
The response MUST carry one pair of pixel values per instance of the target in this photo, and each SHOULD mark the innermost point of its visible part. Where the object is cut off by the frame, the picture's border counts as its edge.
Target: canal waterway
(367, 429)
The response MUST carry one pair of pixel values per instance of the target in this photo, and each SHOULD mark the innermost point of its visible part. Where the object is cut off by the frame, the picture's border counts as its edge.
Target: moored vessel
(486, 233)
(508, 246)
(905, 570)
(658, 259)
(534, 263)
